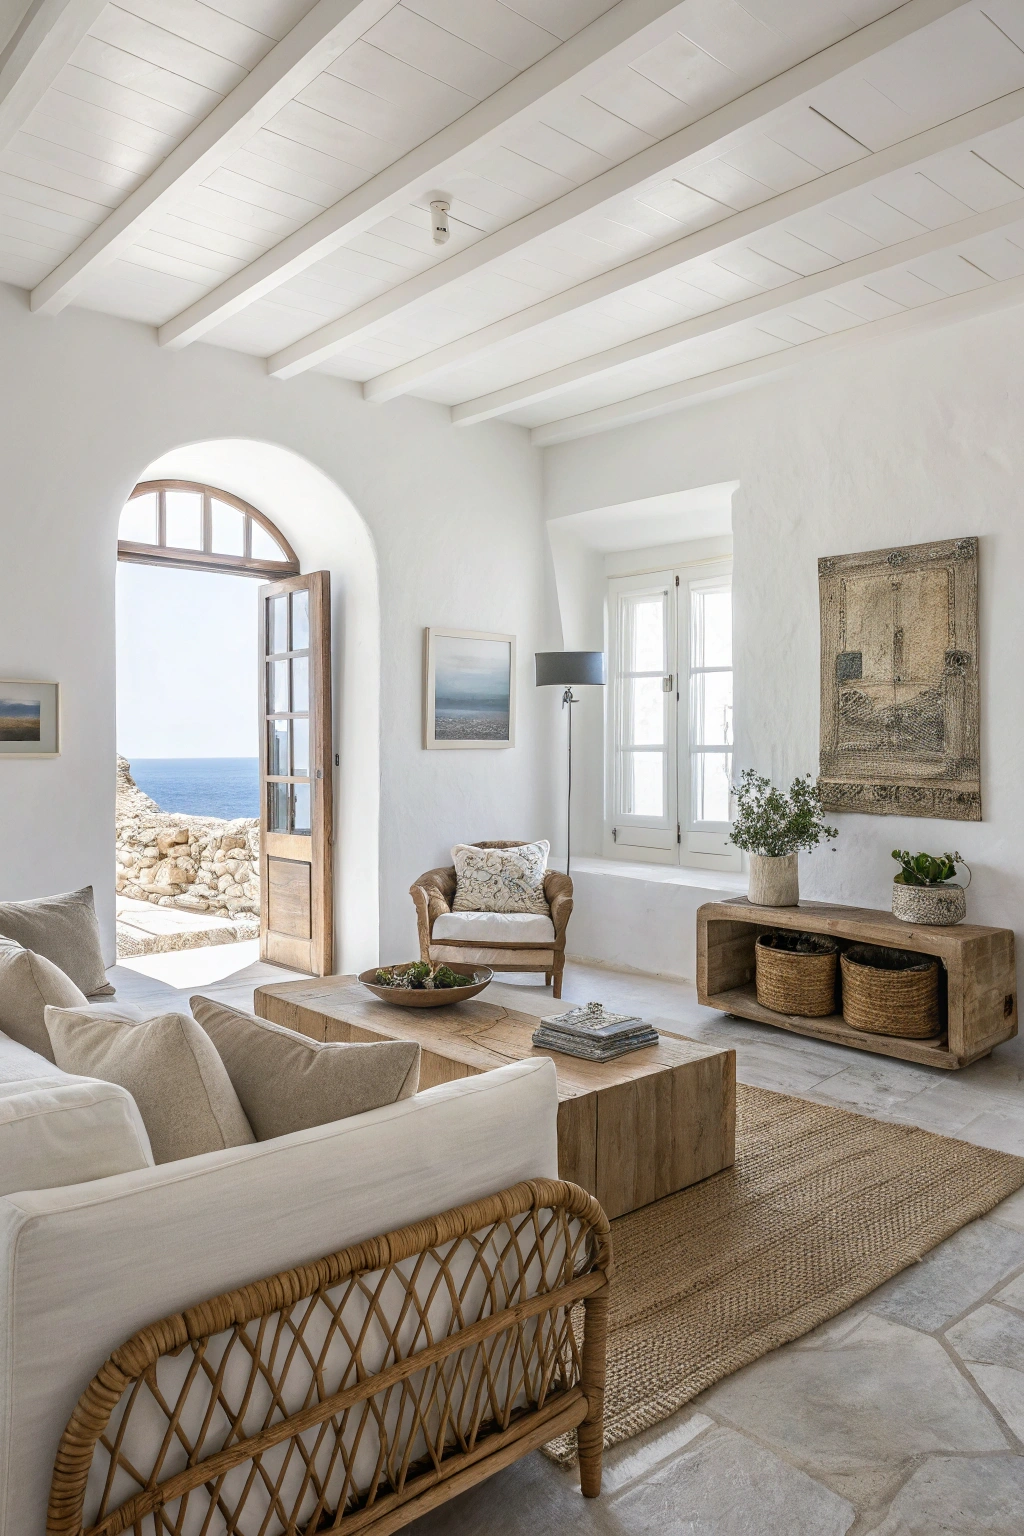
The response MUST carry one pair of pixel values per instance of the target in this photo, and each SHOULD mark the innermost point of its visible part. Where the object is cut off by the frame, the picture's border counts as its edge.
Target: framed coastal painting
(470, 692)
(29, 719)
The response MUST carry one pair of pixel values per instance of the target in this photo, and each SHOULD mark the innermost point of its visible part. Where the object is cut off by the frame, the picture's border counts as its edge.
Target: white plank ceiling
(650, 201)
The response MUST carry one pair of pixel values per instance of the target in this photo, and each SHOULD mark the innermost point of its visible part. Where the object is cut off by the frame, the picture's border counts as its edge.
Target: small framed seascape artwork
(470, 692)
(29, 719)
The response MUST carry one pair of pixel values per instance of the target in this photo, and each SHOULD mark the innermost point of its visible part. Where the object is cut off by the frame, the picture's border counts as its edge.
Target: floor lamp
(563, 669)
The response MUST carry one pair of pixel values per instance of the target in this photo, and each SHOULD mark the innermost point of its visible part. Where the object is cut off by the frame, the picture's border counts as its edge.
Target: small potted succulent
(924, 892)
(772, 827)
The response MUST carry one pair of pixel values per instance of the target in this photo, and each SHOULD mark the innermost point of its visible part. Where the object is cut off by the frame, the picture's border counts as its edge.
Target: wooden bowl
(420, 997)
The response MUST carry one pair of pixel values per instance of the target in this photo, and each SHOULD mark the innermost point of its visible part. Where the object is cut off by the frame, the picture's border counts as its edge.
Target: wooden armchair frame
(503, 1375)
(434, 892)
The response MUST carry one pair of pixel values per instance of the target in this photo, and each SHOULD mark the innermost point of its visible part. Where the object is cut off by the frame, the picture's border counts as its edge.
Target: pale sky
(186, 663)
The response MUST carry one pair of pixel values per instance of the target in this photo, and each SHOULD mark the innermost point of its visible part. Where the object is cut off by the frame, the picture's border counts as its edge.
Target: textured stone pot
(774, 882)
(934, 905)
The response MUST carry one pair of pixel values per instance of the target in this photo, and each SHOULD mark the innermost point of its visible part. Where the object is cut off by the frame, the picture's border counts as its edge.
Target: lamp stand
(568, 699)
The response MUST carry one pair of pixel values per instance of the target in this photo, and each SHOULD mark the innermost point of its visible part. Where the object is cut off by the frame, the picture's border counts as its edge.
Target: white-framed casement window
(670, 728)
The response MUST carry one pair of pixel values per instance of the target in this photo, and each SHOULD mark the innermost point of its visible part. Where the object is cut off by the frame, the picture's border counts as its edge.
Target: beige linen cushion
(62, 929)
(169, 1066)
(500, 879)
(27, 983)
(287, 1082)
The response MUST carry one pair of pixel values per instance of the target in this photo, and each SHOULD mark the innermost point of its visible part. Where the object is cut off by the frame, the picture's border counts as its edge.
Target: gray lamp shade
(564, 668)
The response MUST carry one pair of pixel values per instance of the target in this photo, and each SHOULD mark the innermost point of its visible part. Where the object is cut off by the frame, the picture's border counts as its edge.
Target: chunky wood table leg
(591, 1432)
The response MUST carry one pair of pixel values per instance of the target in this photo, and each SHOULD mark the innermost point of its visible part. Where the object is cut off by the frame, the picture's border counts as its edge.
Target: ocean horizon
(201, 786)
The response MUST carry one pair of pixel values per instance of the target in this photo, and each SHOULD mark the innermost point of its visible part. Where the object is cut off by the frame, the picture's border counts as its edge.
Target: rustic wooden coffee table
(629, 1131)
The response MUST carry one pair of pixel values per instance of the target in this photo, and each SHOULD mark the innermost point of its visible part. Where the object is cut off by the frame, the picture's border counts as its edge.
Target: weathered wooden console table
(977, 991)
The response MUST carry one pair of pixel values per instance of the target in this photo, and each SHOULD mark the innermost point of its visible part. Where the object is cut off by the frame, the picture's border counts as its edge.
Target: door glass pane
(263, 546)
(228, 530)
(138, 520)
(711, 701)
(712, 629)
(645, 634)
(300, 808)
(277, 757)
(300, 747)
(300, 684)
(277, 625)
(643, 783)
(646, 719)
(711, 774)
(184, 519)
(300, 621)
(277, 807)
(277, 687)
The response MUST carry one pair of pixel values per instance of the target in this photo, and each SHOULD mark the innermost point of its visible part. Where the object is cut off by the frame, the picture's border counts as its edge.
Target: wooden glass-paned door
(296, 758)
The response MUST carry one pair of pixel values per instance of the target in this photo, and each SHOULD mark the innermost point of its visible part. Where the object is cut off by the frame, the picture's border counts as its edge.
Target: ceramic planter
(774, 882)
(932, 905)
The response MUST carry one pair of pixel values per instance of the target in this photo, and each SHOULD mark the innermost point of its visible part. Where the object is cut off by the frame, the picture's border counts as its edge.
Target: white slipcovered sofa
(85, 1265)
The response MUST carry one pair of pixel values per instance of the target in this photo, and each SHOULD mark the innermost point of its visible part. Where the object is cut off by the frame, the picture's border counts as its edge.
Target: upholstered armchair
(505, 941)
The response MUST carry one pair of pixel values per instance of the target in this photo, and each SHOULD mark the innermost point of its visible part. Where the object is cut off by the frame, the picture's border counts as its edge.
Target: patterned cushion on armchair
(500, 879)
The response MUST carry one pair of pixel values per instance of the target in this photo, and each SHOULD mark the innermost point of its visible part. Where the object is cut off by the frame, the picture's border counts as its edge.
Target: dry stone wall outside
(194, 863)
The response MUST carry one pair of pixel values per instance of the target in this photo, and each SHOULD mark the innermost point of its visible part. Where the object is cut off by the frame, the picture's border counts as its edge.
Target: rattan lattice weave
(356, 1392)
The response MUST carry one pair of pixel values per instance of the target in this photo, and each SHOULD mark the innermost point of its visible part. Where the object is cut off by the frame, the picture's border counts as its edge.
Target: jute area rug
(820, 1208)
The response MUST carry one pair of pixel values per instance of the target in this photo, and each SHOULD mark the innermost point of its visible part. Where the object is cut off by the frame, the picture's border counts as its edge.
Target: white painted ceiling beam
(292, 64)
(545, 385)
(41, 45)
(706, 139)
(658, 402)
(627, 30)
(714, 240)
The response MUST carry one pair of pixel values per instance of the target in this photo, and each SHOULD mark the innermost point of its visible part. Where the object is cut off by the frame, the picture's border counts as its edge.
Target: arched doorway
(314, 522)
(188, 863)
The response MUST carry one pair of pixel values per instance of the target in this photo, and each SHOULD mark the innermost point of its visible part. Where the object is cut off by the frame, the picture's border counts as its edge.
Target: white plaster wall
(898, 444)
(86, 403)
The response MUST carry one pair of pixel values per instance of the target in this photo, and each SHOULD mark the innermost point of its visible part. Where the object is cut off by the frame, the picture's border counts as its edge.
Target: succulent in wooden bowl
(421, 985)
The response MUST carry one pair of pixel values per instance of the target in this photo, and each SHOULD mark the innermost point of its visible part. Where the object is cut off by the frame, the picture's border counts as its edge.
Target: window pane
(184, 519)
(300, 808)
(711, 705)
(277, 687)
(277, 756)
(263, 546)
(228, 530)
(138, 520)
(277, 625)
(277, 807)
(300, 621)
(712, 629)
(300, 747)
(645, 634)
(643, 787)
(711, 774)
(645, 721)
(300, 684)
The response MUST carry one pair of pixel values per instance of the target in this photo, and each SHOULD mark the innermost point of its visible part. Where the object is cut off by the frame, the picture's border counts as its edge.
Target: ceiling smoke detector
(439, 208)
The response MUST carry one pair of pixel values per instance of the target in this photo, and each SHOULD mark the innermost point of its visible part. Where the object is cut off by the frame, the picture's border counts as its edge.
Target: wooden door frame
(319, 846)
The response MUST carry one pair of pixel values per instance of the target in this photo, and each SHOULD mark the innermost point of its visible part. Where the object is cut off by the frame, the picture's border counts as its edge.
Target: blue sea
(201, 786)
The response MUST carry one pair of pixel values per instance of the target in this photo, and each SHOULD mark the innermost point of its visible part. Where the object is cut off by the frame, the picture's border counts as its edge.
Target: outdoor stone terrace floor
(904, 1416)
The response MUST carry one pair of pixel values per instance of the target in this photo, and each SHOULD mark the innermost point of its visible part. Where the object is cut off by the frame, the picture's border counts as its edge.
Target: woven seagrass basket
(890, 992)
(796, 973)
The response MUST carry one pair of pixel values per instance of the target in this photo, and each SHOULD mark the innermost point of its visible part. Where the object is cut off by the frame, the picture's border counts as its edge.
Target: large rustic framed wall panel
(900, 730)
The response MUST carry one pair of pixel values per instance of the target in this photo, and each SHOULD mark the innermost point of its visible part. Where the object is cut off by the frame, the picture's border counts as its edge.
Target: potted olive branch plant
(772, 827)
(924, 892)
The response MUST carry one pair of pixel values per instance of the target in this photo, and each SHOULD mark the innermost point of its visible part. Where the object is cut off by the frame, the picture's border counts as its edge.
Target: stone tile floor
(904, 1416)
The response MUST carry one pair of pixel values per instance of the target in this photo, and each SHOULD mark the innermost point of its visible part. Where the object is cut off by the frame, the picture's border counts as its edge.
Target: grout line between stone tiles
(780, 1451)
(1015, 1443)
(981, 1301)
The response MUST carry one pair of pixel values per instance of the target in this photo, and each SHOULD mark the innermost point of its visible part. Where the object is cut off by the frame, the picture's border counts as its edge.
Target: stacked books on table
(595, 1035)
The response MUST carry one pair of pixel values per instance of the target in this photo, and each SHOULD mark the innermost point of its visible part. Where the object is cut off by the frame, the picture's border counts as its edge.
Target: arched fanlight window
(199, 528)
